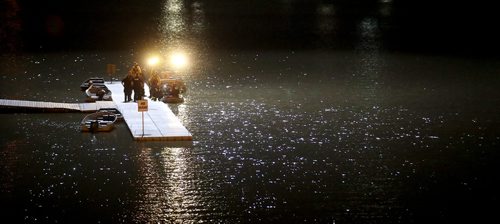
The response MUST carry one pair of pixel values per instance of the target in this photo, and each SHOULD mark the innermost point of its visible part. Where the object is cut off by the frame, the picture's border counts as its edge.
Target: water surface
(350, 133)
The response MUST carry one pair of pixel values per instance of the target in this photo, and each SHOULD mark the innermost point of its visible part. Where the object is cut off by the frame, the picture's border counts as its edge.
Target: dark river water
(340, 123)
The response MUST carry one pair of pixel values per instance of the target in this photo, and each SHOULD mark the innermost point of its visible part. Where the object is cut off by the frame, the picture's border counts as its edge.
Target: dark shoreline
(443, 27)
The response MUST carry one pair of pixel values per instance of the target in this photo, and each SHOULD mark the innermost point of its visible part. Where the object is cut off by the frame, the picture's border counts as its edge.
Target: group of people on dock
(134, 83)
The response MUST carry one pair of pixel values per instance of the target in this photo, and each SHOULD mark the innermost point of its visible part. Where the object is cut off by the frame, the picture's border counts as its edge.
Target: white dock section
(90, 107)
(51, 106)
(160, 123)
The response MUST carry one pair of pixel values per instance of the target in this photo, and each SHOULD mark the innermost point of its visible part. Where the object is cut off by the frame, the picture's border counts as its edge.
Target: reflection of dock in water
(160, 123)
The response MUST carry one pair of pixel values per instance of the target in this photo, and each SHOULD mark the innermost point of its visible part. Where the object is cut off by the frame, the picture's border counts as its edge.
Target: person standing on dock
(138, 82)
(127, 87)
(154, 86)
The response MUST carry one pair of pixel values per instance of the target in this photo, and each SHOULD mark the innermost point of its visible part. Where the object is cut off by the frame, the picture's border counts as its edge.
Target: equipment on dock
(99, 122)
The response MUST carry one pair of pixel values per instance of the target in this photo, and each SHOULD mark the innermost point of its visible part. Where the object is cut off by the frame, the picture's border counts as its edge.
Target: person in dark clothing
(127, 87)
(154, 84)
(138, 87)
(138, 82)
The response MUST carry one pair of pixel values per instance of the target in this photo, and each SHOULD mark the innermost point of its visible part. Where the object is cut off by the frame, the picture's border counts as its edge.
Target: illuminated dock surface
(160, 123)
(27, 105)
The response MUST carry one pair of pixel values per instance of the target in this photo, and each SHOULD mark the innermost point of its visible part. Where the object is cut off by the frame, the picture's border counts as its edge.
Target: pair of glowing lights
(177, 60)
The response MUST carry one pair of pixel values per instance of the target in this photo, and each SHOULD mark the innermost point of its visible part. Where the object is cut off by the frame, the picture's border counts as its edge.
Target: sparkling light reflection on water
(278, 135)
(347, 136)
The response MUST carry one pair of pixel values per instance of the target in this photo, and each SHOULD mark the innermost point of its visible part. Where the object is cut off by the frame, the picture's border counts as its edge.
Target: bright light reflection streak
(199, 22)
(164, 179)
(371, 64)
(173, 25)
(178, 182)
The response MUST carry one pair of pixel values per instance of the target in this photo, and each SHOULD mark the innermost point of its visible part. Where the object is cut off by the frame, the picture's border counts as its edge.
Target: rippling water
(332, 136)
(299, 136)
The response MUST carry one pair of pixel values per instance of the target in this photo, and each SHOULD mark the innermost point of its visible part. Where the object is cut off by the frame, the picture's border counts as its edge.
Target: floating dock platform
(160, 123)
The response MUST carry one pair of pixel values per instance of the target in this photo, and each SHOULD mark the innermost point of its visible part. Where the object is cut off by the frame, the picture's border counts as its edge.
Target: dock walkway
(27, 105)
(160, 123)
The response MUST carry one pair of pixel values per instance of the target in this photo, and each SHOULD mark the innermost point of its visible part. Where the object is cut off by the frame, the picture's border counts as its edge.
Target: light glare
(153, 61)
(178, 60)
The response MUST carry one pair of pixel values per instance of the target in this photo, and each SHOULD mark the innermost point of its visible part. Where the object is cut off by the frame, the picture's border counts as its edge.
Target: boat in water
(172, 99)
(99, 122)
(172, 89)
(96, 81)
(174, 83)
(97, 93)
(119, 116)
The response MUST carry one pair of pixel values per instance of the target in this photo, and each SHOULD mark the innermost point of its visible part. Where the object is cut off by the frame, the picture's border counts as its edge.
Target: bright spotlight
(179, 60)
(153, 61)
